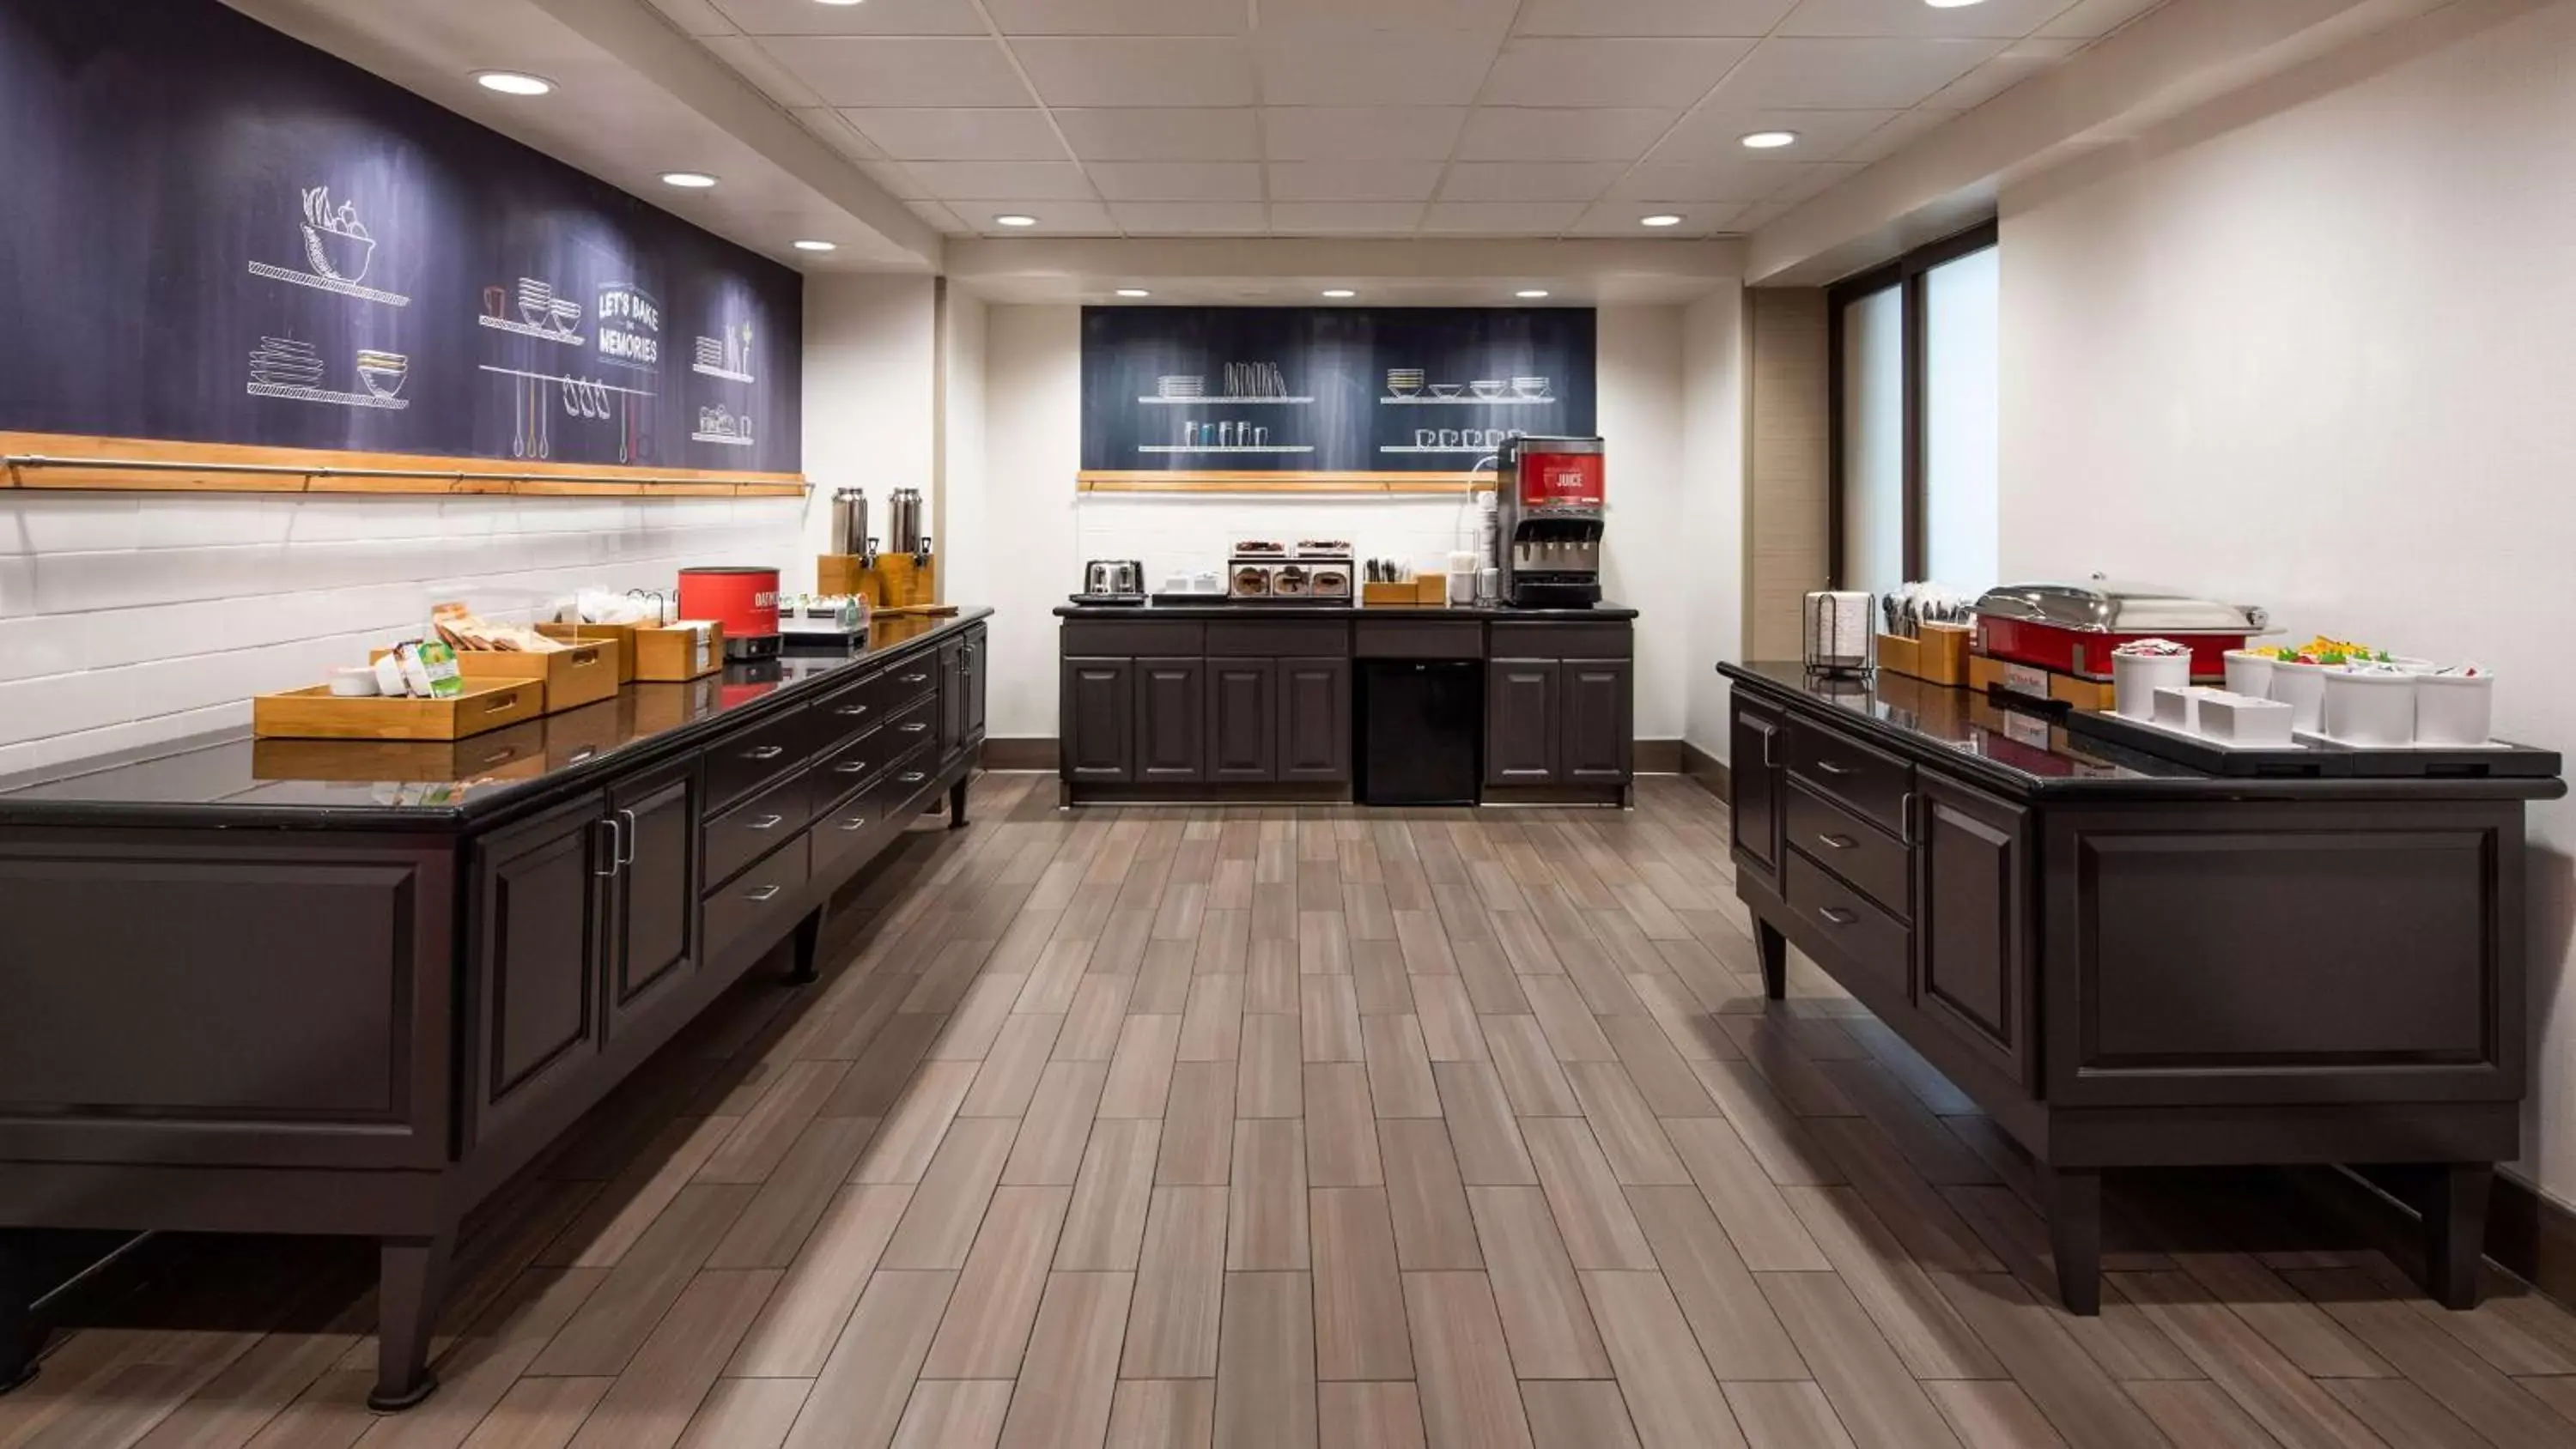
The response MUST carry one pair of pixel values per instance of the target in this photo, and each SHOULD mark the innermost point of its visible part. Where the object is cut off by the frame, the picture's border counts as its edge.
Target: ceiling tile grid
(1377, 117)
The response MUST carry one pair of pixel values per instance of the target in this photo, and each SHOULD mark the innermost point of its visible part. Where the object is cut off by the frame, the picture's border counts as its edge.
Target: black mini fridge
(1421, 731)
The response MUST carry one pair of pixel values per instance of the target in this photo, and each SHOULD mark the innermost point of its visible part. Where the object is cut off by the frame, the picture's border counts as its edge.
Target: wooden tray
(2023, 682)
(315, 713)
(622, 635)
(1939, 655)
(517, 752)
(670, 655)
(583, 674)
(1405, 594)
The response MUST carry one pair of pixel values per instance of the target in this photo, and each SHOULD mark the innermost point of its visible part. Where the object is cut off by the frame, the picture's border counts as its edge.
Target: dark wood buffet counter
(344, 987)
(2127, 962)
(1280, 701)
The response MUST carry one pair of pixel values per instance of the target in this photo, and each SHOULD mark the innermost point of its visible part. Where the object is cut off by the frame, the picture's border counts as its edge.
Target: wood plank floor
(1312, 1127)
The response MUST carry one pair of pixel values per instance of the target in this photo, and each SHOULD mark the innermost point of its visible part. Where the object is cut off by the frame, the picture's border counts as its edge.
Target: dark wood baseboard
(1022, 754)
(1659, 757)
(1707, 770)
(2528, 1235)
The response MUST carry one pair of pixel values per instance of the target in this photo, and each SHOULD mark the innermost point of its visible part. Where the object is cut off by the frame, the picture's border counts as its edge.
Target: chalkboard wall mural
(215, 233)
(1327, 389)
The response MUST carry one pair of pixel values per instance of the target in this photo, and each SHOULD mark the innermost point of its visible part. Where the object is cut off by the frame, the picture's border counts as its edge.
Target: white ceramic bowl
(2369, 709)
(2135, 678)
(2303, 688)
(2452, 709)
(2249, 673)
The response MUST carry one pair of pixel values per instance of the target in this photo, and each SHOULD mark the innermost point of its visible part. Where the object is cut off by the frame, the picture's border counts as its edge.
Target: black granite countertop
(232, 779)
(1220, 608)
(2027, 753)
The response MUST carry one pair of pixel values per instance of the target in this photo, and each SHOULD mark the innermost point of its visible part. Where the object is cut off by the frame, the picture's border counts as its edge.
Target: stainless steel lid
(2114, 608)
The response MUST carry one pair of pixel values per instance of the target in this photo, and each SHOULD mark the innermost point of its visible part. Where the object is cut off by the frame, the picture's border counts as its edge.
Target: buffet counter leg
(2455, 1232)
(2075, 1236)
(957, 803)
(809, 946)
(1773, 948)
(411, 1282)
(20, 1337)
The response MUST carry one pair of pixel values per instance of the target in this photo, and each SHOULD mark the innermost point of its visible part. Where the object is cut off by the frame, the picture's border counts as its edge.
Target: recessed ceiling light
(1531, 293)
(1015, 218)
(1339, 293)
(1133, 292)
(688, 180)
(1661, 218)
(817, 246)
(838, 2)
(1951, 4)
(513, 83)
(1770, 140)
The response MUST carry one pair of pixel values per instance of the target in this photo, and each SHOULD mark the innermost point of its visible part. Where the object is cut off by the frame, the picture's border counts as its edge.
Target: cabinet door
(971, 663)
(539, 927)
(1521, 722)
(1096, 721)
(1755, 784)
(661, 872)
(1315, 720)
(1171, 720)
(1243, 720)
(1596, 737)
(1971, 926)
(952, 699)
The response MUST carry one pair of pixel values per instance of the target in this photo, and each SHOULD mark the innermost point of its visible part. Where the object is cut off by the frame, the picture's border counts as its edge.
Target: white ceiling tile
(762, 69)
(1733, 179)
(1353, 180)
(1529, 180)
(2087, 19)
(1815, 182)
(1848, 75)
(1137, 71)
(1177, 180)
(1760, 214)
(1287, 17)
(1055, 218)
(897, 181)
(938, 215)
(1904, 130)
(1501, 218)
(1119, 17)
(1672, 73)
(1619, 219)
(875, 70)
(1715, 134)
(876, 17)
(959, 134)
(1555, 133)
(1751, 18)
(1348, 68)
(1997, 19)
(837, 132)
(1371, 218)
(1002, 180)
(1361, 133)
(1161, 133)
(1190, 218)
(2025, 59)
(697, 17)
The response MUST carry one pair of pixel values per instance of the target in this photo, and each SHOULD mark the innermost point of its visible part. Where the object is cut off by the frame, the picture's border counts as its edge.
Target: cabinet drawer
(1861, 936)
(1850, 847)
(751, 760)
(1109, 637)
(850, 828)
(1563, 641)
(759, 902)
(1277, 638)
(910, 682)
(1870, 783)
(905, 783)
(1418, 639)
(910, 725)
(754, 827)
(851, 766)
(851, 710)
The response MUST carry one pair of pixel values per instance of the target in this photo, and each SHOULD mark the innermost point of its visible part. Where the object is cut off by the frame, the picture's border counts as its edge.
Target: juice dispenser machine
(1549, 498)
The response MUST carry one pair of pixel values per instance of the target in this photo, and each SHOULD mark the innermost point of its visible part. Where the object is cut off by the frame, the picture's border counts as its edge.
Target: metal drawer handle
(767, 822)
(616, 849)
(851, 767)
(851, 711)
(914, 728)
(1838, 842)
(765, 752)
(1905, 817)
(855, 822)
(765, 893)
(626, 834)
(1838, 915)
(914, 777)
(1830, 768)
(1769, 738)
(910, 678)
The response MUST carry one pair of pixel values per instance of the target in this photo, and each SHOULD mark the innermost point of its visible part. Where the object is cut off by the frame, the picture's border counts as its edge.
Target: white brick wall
(1178, 532)
(131, 619)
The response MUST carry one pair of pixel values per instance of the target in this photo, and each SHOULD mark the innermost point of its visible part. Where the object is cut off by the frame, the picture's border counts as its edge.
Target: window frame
(1909, 272)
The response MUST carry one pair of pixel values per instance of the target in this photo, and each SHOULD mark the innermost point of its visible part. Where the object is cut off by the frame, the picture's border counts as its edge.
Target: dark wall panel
(208, 223)
(1318, 386)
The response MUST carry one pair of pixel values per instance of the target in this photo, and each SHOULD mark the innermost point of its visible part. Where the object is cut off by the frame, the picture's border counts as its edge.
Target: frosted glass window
(1873, 480)
(1962, 413)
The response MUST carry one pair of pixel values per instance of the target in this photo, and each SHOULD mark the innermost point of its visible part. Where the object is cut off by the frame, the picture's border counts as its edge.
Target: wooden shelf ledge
(66, 462)
(1219, 481)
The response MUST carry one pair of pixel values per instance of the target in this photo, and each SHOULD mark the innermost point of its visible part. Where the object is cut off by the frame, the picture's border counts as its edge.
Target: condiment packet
(2152, 648)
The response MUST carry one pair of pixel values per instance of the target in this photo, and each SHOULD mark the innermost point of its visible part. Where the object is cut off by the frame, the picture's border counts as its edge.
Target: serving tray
(2315, 756)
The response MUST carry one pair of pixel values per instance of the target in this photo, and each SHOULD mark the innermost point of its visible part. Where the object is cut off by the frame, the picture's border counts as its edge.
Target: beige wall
(1786, 479)
(2315, 351)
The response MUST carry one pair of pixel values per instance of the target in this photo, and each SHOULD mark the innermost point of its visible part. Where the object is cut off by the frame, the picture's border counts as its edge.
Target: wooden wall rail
(65, 462)
(1116, 481)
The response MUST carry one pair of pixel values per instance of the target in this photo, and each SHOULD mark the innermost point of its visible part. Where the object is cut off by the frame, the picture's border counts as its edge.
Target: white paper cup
(2303, 688)
(2453, 709)
(2135, 678)
(2370, 709)
(2249, 673)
